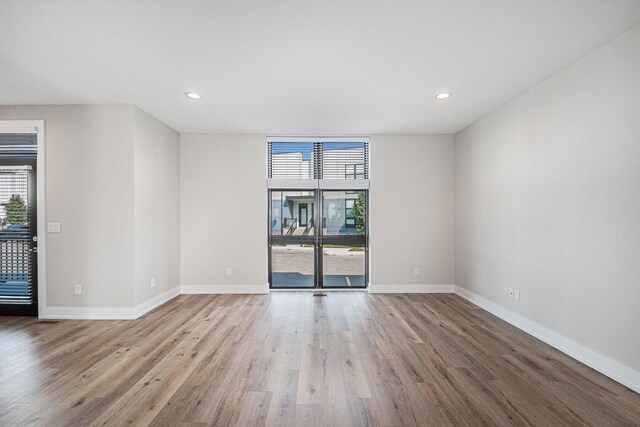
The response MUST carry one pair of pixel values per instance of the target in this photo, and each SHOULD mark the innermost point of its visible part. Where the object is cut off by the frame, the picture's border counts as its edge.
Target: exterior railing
(292, 227)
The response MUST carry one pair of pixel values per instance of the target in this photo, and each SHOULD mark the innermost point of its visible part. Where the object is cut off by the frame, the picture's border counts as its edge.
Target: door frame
(28, 126)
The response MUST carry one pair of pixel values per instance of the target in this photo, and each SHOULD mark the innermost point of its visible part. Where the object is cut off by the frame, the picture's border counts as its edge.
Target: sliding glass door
(318, 239)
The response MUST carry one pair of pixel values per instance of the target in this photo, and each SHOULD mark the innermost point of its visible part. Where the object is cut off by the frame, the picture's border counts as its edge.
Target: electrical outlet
(53, 227)
(78, 289)
(153, 282)
(228, 271)
(511, 293)
(516, 295)
(416, 271)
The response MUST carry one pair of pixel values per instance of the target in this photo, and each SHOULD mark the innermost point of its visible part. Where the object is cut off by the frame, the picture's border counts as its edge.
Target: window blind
(291, 160)
(18, 143)
(321, 159)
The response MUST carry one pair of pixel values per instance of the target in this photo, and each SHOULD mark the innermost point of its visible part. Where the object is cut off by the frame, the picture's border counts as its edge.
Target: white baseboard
(410, 289)
(155, 302)
(131, 313)
(109, 313)
(612, 369)
(225, 289)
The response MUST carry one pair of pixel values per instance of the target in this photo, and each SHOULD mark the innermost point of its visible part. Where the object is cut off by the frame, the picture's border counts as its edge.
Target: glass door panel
(290, 213)
(343, 266)
(344, 213)
(292, 265)
(293, 240)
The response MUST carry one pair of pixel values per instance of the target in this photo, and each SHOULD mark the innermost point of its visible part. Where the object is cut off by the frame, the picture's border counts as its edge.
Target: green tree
(358, 211)
(16, 210)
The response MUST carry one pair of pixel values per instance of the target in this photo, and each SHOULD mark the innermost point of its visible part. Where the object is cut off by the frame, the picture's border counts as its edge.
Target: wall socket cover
(78, 289)
(416, 271)
(153, 282)
(516, 295)
(228, 271)
(53, 227)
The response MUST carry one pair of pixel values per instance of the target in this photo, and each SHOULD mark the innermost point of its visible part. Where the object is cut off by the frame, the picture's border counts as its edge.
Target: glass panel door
(18, 241)
(292, 239)
(344, 239)
(330, 255)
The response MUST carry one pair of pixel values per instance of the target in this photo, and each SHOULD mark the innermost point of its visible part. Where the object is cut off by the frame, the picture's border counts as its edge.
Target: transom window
(318, 159)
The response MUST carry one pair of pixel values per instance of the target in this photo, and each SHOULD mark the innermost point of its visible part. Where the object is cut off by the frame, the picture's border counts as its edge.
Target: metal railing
(292, 227)
(309, 227)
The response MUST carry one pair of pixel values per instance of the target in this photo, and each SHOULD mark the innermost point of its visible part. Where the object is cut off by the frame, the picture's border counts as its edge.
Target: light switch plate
(53, 227)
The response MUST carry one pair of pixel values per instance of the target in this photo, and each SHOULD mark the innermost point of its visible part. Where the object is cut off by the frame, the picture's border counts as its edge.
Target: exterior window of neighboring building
(350, 220)
(354, 171)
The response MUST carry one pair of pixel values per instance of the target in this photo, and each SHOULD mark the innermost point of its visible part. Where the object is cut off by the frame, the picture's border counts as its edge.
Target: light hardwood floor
(293, 359)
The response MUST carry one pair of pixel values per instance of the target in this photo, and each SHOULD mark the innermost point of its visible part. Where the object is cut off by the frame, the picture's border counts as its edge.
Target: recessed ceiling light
(443, 95)
(193, 95)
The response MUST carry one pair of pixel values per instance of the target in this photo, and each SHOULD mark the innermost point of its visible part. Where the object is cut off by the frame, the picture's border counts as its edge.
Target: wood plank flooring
(292, 359)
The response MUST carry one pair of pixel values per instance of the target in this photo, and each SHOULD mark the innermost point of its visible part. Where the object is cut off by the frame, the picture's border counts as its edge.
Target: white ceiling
(297, 66)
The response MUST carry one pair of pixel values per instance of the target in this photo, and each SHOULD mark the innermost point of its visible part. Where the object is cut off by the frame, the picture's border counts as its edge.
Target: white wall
(89, 190)
(112, 181)
(548, 202)
(224, 210)
(223, 199)
(412, 209)
(156, 155)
